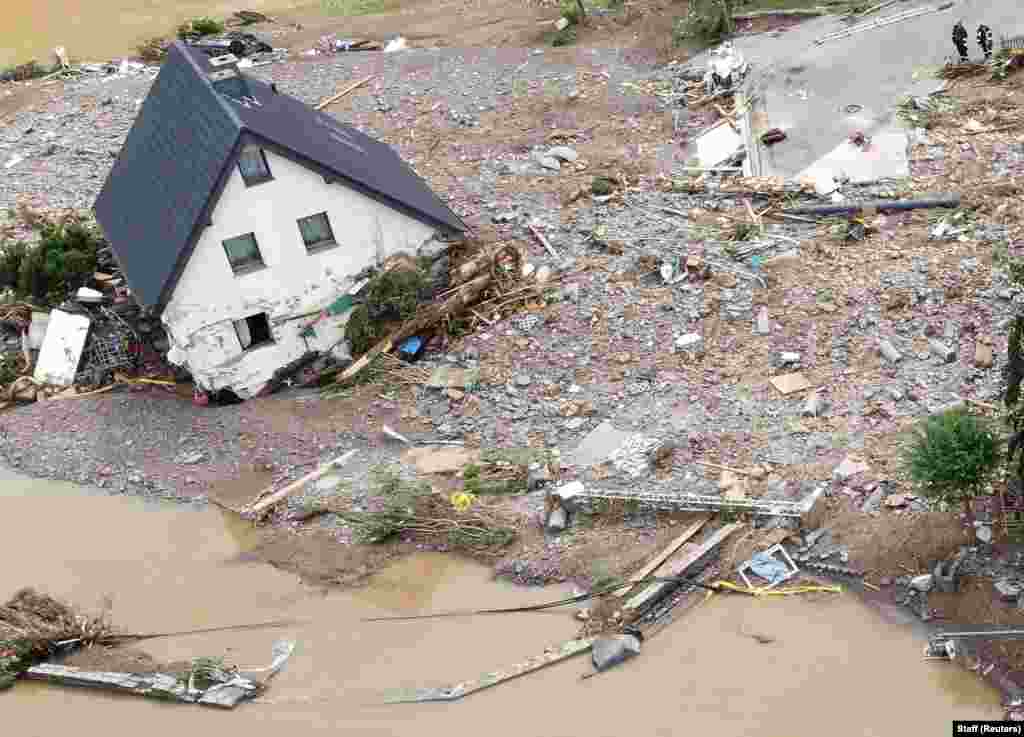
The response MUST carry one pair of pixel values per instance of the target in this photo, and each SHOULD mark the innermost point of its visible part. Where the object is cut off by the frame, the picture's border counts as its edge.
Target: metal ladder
(698, 503)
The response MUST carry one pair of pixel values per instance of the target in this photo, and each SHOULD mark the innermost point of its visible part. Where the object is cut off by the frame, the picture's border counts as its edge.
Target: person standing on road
(960, 40)
(985, 40)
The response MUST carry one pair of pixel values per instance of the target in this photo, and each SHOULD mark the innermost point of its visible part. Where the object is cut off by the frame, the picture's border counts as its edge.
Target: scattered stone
(873, 502)
(983, 533)
(885, 581)
(548, 162)
(814, 406)
(523, 380)
(894, 501)
(762, 325)
(558, 520)
(537, 475)
(561, 24)
(528, 269)
(661, 454)
(691, 343)
(328, 484)
(849, 468)
(790, 383)
(543, 274)
(575, 423)
(983, 353)
(1008, 590)
(610, 651)
(944, 351)
(889, 351)
(192, 458)
(563, 153)
(567, 494)
(789, 357)
(922, 583)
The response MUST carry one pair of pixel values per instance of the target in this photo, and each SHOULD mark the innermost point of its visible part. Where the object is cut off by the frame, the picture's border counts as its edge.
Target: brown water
(834, 662)
(96, 30)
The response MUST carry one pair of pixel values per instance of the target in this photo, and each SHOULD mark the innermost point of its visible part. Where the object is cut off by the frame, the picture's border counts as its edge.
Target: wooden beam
(661, 557)
(678, 567)
(350, 88)
(260, 506)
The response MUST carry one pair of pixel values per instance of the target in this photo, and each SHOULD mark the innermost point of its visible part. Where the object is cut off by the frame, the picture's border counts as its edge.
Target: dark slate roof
(186, 139)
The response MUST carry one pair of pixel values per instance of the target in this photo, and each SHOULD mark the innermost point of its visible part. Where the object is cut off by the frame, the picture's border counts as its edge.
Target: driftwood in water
(451, 693)
(227, 689)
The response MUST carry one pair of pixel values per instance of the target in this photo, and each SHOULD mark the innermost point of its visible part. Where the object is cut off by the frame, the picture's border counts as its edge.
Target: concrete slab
(600, 443)
(805, 89)
(885, 158)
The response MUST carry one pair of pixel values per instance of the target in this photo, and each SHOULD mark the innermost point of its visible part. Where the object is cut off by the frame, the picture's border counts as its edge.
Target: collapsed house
(245, 220)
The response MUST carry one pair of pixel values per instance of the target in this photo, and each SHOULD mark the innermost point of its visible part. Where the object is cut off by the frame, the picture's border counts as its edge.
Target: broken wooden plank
(350, 88)
(544, 242)
(459, 690)
(678, 567)
(259, 506)
(660, 558)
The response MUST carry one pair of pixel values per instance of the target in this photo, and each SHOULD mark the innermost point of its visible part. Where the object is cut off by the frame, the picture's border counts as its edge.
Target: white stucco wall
(209, 296)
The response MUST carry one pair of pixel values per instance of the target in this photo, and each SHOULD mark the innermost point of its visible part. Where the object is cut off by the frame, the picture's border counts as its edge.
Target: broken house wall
(209, 297)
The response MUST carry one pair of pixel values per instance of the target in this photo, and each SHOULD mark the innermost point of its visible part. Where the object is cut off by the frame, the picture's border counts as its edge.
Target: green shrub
(565, 37)
(361, 331)
(396, 294)
(62, 261)
(953, 457)
(707, 21)
(11, 256)
(572, 12)
(200, 27)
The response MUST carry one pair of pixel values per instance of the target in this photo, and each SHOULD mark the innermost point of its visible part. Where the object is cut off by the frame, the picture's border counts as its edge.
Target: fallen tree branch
(334, 98)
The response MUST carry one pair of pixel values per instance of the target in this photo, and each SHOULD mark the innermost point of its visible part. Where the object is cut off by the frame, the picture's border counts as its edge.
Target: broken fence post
(852, 208)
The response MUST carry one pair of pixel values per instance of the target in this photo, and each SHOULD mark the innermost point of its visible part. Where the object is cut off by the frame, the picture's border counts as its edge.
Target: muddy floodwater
(835, 667)
(94, 30)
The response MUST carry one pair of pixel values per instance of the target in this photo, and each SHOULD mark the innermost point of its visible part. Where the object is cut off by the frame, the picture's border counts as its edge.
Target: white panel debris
(62, 349)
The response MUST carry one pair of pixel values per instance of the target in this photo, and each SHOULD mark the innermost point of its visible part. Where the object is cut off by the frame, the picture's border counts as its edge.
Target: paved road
(806, 87)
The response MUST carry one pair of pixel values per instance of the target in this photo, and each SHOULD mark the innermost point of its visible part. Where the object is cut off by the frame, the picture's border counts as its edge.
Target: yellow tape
(778, 592)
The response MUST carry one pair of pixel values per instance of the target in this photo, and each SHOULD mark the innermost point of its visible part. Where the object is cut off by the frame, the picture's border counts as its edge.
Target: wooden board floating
(459, 690)
(231, 689)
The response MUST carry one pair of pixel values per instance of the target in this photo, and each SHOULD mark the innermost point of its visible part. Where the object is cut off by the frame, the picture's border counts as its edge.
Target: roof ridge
(221, 101)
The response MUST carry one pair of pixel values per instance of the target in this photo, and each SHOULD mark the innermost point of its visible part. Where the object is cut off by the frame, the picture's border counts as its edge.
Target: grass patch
(706, 21)
(414, 508)
(199, 27)
(357, 7)
(566, 37)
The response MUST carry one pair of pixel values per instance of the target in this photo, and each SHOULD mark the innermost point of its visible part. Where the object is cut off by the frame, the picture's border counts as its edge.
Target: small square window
(316, 231)
(254, 331)
(252, 165)
(243, 253)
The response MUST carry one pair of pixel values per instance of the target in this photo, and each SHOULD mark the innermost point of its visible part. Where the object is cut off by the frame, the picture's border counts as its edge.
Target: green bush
(954, 456)
(565, 37)
(361, 331)
(11, 256)
(572, 12)
(200, 27)
(396, 294)
(62, 261)
(707, 21)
